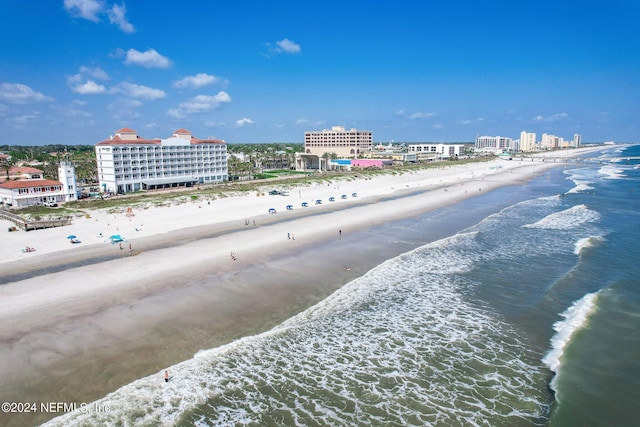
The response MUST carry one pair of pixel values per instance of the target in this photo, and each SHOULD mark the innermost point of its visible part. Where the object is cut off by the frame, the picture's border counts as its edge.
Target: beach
(81, 320)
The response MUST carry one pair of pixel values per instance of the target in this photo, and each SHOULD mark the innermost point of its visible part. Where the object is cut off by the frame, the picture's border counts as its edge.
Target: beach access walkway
(27, 225)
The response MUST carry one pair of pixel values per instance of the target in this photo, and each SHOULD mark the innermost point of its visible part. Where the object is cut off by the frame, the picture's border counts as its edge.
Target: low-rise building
(428, 152)
(35, 190)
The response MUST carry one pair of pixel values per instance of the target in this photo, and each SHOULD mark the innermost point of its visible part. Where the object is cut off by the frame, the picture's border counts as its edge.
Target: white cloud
(199, 80)
(212, 124)
(96, 73)
(123, 109)
(17, 93)
(305, 122)
(86, 9)
(205, 102)
(79, 84)
(468, 122)
(288, 46)
(557, 117)
(24, 120)
(553, 118)
(400, 113)
(72, 110)
(284, 46)
(244, 121)
(139, 91)
(176, 114)
(89, 88)
(117, 16)
(92, 9)
(420, 115)
(149, 59)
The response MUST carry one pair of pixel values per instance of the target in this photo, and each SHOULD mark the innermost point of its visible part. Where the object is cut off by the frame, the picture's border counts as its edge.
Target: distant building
(527, 141)
(577, 140)
(322, 146)
(552, 142)
(344, 143)
(494, 144)
(21, 172)
(426, 152)
(127, 162)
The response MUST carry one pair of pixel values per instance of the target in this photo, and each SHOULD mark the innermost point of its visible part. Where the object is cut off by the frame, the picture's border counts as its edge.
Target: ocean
(529, 317)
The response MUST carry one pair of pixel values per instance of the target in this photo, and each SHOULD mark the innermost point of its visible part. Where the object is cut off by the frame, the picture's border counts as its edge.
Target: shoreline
(92, 333)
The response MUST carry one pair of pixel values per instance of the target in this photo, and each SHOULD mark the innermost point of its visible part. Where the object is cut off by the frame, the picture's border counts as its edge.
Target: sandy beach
(81, 320)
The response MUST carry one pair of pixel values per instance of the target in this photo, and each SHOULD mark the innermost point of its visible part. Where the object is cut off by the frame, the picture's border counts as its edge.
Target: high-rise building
(127, 162)
(527, 141)
(337, 140)
(577, 140)
(552, 142)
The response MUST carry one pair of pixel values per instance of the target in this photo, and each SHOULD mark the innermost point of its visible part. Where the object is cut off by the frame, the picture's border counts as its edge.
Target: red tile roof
(116, 140)
(29, 183)
(126, 130)
(23, 169)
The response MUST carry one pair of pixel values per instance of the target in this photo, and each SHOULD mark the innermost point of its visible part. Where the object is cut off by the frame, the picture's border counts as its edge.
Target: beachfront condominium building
(127, 162)
(495, 144)
(552, 142)
(527, 141)
(577, 140)
(343, 143)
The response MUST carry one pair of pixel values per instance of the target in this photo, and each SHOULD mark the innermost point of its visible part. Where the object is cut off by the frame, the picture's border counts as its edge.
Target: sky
(258, 71)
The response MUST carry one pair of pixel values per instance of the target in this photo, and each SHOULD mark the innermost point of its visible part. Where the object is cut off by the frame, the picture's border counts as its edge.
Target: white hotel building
(127, 162)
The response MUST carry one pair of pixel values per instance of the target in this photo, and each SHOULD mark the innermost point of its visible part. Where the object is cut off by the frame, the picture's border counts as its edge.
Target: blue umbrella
(71, 237)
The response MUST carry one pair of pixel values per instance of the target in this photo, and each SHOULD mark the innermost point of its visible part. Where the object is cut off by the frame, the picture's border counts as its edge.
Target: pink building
(369, 163)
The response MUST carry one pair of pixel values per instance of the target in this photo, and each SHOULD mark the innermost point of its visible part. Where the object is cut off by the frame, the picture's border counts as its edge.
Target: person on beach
(339, 234)
(166, 376)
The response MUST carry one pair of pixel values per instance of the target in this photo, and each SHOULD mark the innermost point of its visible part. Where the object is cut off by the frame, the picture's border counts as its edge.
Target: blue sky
(75, 71)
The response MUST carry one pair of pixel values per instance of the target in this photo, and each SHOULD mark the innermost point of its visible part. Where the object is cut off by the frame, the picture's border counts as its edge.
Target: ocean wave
(612, 172)
(569, 218)
(576, 317)
(579, 188)
(585, 243)
(399, 345)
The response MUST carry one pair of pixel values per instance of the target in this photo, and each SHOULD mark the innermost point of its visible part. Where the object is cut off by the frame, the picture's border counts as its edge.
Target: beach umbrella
(71, 237)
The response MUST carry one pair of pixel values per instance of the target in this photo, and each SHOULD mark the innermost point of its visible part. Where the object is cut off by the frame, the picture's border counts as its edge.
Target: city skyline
(75, 71)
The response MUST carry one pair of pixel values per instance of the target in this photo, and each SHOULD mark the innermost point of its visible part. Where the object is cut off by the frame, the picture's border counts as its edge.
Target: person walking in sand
(166, 376)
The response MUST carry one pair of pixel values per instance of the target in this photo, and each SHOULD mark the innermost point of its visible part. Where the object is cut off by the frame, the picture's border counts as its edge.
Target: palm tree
(6, 163)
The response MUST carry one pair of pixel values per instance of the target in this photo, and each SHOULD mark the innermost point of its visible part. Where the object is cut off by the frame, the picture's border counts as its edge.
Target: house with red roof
(22, 172)
(30, 188)
(128, 162)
